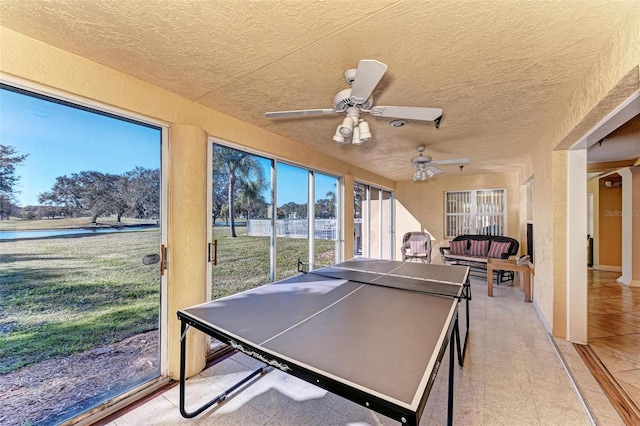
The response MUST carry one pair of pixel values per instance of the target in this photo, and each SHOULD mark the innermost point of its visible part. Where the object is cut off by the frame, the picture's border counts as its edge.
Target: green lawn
(243, 262)
(60, 296)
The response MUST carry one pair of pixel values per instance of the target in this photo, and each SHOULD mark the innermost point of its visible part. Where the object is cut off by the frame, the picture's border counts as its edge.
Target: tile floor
(614, 328)
(512, 376)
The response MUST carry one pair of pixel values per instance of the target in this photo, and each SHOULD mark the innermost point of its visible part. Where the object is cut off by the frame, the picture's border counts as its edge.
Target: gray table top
(381, 340)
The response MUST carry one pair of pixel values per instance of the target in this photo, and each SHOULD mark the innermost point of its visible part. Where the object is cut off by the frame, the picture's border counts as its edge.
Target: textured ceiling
(501, 70)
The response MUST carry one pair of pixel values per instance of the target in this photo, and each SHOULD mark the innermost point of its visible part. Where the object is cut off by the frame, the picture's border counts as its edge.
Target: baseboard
(624, 405)
(610, 268)
(541, 317)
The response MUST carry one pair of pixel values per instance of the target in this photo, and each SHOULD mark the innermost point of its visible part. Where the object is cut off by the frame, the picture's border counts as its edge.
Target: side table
(510, 265)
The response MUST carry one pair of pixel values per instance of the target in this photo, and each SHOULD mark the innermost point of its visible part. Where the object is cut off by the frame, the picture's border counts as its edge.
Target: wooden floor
(614, 328)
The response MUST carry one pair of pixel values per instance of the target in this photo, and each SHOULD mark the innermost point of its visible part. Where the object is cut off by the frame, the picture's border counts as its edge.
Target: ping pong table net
(391, 280)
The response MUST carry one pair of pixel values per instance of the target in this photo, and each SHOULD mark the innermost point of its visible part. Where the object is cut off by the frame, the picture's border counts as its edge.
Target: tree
(9, 159)
(92, 192)
(326, 207)
(141, 188)
(250, 197)
(218, 191)
(292, 210)
(240, 168)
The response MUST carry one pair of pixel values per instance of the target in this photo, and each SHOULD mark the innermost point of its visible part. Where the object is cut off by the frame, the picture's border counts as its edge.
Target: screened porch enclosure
(256, 242)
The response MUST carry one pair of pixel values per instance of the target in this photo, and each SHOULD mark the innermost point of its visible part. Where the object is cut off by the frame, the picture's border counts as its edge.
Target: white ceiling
(501, 69)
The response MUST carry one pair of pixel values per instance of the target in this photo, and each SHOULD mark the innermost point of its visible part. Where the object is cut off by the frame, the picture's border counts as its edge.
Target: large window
(478, 211)
(266, 215)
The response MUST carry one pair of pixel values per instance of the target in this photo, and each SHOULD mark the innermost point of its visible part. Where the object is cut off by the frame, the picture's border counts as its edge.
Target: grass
(244, 261)
(60, 296)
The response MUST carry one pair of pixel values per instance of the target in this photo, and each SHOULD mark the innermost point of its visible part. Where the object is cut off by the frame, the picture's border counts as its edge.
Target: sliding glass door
(80, 209)
(241, 213)
(325, 226)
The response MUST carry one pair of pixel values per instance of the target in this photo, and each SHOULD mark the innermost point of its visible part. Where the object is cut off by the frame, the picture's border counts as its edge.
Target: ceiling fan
(357, 99)
(426, 167)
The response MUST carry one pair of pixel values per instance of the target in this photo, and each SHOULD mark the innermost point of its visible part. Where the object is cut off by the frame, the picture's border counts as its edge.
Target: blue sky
(61, 140)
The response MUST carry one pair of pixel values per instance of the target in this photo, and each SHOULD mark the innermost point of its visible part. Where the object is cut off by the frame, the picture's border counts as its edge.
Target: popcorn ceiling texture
(502, 70)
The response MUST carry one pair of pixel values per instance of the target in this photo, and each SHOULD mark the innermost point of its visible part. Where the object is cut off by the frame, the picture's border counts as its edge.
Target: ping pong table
(372, 331)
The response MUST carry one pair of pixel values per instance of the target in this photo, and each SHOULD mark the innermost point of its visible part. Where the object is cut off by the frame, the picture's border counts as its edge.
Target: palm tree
(241, 168)
(250, 196)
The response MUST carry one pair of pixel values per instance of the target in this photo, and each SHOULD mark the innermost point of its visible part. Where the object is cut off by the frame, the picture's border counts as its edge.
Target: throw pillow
(479, 248)
(417, 247)
(458, 247)
(497, 249)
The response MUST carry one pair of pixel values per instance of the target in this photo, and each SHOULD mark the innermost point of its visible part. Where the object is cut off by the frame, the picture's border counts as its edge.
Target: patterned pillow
(458, 247)
(497, 249)
(479, 248)
(417, 247)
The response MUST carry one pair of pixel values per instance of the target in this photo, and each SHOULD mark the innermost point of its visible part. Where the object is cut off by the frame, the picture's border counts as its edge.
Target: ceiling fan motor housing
(342, 100)
(421, 159)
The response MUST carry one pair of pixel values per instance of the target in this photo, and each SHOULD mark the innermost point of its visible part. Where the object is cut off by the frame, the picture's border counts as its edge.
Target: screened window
(478, 211)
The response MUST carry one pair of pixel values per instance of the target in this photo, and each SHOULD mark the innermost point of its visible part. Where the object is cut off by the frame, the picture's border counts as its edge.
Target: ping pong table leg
(462, 349)
(186, 414)
(452, 349)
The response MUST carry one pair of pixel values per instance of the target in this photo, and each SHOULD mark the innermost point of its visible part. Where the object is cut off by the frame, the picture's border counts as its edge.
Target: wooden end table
(509, 265)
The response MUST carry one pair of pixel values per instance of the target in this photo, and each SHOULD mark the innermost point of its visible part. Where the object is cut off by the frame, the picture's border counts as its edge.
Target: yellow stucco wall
(420, 205)
(39, 66)
(613, 77)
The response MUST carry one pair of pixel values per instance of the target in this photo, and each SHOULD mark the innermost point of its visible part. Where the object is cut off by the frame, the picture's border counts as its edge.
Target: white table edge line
(425, 378)
(311, 316)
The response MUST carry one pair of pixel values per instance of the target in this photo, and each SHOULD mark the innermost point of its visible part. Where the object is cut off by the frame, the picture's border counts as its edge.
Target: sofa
(474, 250)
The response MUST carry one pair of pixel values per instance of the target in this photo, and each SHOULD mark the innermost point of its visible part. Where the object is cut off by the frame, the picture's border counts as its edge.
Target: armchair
(416, 246)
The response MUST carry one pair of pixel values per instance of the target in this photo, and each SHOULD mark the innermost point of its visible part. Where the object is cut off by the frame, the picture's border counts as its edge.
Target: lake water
(20, 235)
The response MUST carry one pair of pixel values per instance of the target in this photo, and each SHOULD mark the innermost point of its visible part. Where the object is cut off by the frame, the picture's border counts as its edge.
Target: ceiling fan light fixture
(430, 173)
(365, 131)
(346, 128)
(355, 139)
(338, 138)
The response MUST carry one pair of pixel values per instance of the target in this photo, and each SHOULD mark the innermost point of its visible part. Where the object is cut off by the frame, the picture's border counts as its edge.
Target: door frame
(118, 402)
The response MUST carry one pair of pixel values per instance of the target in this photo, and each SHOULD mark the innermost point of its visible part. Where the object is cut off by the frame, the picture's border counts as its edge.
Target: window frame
(473, 213)
(275, 162)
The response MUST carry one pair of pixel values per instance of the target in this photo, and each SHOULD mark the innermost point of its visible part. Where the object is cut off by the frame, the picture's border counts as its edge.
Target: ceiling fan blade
(435, 169)
(368, 76)
(411, 113)
(452, 161)
(279, 114)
